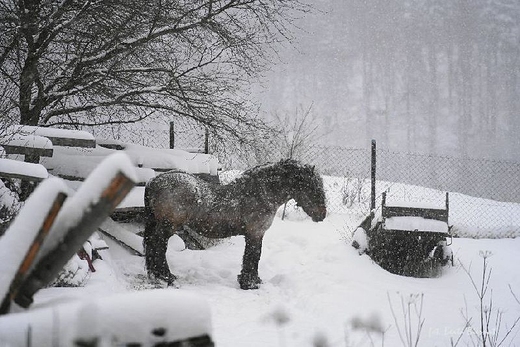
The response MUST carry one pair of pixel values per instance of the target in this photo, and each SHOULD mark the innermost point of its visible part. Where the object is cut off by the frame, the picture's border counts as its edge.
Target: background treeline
(429, 76)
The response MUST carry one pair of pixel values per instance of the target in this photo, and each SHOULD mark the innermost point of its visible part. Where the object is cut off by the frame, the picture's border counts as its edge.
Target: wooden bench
(60, 137)
(33, 143)
(36, 142)
(430, 212)
(30, 146)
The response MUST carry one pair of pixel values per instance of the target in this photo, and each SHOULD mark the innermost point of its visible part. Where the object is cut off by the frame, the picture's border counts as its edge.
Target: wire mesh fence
(484, 194)
(155, 133)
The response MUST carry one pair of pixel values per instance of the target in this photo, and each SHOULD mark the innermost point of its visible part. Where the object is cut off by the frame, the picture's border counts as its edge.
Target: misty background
(427, 76)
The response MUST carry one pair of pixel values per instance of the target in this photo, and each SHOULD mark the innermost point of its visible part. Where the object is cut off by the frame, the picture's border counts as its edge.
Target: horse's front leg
(248, 278)
(155, 243)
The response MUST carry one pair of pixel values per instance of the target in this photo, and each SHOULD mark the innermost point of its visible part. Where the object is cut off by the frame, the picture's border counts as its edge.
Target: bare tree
(94, 62)
(296, 131)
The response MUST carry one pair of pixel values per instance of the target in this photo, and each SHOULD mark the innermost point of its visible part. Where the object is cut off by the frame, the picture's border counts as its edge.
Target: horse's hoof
(171, 282)
(159, 279)
(249, 282)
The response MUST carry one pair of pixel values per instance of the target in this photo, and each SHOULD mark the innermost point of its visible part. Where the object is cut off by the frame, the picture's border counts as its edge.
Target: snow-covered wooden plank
(126, 238)
(59, 137)
(80, 216)
(22, 241)
(414, 223)
(162, 159)
(416, 209)
(27, 145)
(134, 199)
(26, 171)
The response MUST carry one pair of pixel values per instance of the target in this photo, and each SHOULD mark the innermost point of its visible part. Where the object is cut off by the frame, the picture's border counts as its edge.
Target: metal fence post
(206, 141)
(373, 177)
(172, 135)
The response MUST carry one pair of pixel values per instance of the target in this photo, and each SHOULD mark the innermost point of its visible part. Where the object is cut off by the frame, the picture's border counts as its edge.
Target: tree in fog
(94, 62)
(425, 75)
(295, 132)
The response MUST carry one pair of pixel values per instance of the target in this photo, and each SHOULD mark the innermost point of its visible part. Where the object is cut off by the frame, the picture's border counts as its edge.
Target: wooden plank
(430, 213)
(402, 211)
(60, 137)
(128, 240)
(16, 283)
(40, 152)
(91, 218)
(127, 213)
(21, 176)
(72, 142)
(10, 168)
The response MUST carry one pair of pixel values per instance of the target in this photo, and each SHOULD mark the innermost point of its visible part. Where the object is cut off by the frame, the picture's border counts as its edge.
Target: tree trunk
(29, 113)
(29, 15)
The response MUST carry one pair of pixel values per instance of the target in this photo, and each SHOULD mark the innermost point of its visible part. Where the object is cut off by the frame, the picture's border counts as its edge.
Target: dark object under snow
(407, 239)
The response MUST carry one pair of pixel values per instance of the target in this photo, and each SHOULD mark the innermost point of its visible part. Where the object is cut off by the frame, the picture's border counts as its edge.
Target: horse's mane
(285, 166)
(291, 169)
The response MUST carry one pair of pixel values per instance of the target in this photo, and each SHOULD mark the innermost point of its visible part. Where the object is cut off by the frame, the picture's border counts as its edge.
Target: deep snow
(315, 287)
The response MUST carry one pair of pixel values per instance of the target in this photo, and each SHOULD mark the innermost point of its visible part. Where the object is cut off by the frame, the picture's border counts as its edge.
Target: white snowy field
(317, 290)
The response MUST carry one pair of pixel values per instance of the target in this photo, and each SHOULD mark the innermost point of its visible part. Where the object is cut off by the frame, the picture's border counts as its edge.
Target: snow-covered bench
(39, 142)
(34, 143)
(58, 137)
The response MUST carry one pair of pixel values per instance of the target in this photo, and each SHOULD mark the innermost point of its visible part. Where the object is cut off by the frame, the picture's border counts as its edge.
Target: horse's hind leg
(155, 243)
(248, 278)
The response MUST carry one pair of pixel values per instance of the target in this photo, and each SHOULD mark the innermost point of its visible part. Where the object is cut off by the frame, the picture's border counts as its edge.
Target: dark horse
(246, 206)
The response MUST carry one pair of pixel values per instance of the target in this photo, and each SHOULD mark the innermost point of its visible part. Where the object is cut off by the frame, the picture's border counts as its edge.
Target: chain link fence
(155, 133)
(484, 194)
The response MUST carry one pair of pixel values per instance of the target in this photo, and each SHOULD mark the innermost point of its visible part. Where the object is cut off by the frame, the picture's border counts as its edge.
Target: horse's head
(308, 191)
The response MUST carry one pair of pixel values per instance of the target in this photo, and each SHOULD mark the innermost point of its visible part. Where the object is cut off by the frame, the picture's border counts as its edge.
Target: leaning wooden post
(373, 177)
(25, 236)
(75, 233)
(14, 288)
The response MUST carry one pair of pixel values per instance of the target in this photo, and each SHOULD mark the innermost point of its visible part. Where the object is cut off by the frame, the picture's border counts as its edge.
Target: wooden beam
(23, 177)
(91, 218)
(22, 272)
(40, 152)
(72, 142)
(60, 137)
(10, 168)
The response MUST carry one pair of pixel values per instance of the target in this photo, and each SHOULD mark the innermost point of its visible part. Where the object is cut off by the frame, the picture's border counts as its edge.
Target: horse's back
(173, 195)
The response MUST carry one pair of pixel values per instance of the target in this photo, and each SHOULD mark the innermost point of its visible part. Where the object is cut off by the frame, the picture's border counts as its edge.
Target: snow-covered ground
(317, 290)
